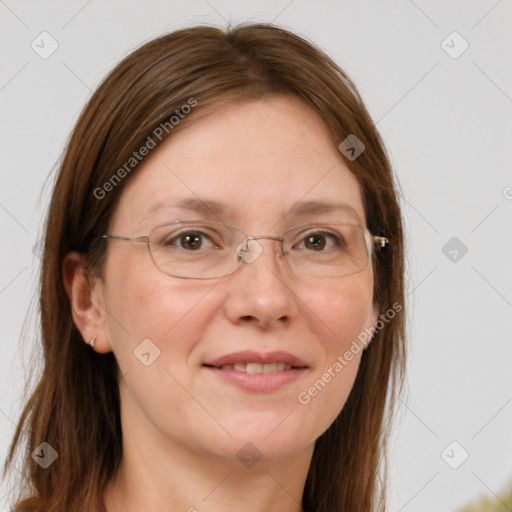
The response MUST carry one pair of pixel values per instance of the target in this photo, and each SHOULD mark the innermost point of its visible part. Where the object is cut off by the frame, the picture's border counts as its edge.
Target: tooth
(254, 368)
(269, 367)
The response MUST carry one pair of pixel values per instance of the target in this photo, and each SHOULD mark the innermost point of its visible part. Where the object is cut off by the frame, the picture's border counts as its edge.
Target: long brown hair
(75, 405)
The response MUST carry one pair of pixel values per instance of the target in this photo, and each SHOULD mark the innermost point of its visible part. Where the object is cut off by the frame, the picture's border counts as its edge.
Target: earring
(91, 341)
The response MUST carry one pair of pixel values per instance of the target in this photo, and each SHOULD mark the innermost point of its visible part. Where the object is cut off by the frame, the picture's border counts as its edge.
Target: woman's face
(259, 159)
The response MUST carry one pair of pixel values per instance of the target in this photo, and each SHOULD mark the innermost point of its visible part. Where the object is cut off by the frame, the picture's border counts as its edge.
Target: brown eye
(320, 241)
(315, 242)
(190, 241)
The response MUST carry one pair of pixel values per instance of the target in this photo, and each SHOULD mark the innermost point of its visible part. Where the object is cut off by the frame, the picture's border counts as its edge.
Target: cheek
(173, 315)
(339, 315)
(340, 312)
(143, 303)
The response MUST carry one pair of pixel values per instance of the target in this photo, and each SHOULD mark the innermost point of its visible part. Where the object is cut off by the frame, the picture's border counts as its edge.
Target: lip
(258, 357)
(258, 382)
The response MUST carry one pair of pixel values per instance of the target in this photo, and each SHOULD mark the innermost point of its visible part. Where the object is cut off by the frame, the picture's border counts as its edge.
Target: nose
(261, 290)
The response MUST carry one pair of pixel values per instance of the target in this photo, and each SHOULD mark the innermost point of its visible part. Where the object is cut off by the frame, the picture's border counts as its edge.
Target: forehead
(260, 162)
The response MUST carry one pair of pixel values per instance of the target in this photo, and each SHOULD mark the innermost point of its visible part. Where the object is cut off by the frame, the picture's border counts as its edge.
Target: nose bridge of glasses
(250, 249)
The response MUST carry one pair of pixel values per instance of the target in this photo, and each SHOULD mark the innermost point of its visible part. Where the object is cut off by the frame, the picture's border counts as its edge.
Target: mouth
(255, 368)
(258, 372)
(257, 362)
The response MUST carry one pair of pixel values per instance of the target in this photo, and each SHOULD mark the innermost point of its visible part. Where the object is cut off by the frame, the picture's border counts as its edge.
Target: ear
(87, 302)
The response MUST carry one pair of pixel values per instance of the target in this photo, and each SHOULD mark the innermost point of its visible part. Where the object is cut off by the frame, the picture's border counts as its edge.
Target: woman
(222, 288)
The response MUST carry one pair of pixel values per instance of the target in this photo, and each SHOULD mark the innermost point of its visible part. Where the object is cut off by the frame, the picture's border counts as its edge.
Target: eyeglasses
(211, 250)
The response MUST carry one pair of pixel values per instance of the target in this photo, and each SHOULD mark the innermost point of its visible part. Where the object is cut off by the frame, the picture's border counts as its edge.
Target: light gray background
(448, 127)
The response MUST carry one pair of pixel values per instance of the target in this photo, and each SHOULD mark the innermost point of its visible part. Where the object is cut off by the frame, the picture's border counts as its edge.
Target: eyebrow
(213, 208)
(304, 208)
(208, 207)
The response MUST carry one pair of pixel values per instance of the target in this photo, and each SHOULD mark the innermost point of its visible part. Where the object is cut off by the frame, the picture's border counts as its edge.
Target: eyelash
(179, 236)
(337, 239)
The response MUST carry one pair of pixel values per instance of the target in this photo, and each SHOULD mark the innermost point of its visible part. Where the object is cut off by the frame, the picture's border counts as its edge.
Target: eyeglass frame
(380, 240)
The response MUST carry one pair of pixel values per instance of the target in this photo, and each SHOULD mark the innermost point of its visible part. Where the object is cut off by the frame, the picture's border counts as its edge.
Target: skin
(183, 426)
